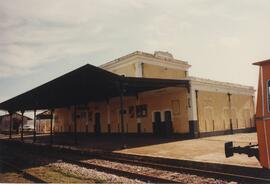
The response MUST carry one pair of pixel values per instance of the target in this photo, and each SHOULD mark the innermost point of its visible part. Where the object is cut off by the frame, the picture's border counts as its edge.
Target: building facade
(206, 108)
(43, 122)
(15, 122)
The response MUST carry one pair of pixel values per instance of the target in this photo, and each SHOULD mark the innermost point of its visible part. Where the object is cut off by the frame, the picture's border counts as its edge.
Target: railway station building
(15, 122)
(140, 93)
(199, 108)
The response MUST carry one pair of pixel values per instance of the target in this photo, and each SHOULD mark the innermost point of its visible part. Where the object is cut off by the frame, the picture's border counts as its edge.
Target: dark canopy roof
(85, 84)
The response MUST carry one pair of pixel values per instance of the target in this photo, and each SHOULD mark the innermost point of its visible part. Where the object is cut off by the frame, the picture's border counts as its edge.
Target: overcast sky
(41, 40)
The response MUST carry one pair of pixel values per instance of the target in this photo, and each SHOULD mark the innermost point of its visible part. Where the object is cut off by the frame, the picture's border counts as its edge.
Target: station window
(141, 110)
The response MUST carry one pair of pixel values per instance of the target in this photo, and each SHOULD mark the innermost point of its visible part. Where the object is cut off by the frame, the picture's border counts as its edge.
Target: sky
(41, 40)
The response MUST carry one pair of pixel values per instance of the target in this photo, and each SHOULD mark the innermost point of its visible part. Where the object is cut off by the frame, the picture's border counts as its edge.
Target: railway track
(227, 176)
(26, 175)
(120, 172)
(204, 172)
(65, 158)
(200, 172)
(76, 157)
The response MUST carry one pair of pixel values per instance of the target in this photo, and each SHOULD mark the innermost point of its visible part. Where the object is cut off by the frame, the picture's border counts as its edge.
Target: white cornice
(217, 86)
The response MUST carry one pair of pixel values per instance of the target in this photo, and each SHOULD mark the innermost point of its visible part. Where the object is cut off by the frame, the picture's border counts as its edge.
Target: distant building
(43, 122)
(207, 108)
(15, 124)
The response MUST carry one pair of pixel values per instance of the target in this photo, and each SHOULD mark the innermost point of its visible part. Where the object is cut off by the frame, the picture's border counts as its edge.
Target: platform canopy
(85, 84)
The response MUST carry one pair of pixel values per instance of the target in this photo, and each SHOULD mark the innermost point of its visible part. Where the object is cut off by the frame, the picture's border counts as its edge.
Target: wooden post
(10, 125)
(51, 128)
(22, 112)
(75, 124)
(34, 133)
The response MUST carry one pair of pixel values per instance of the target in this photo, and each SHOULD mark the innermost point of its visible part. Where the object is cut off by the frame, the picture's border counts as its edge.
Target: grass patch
(56, 176)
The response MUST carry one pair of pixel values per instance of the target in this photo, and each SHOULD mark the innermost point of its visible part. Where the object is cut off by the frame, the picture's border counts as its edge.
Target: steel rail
(189, 170)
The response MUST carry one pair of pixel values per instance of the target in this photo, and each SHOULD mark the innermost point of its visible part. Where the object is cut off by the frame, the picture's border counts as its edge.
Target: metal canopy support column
(75, 124)
(22, 126)
(122, 114)
(122, 110)
(10, 124)
(51, 128)
(34, 133)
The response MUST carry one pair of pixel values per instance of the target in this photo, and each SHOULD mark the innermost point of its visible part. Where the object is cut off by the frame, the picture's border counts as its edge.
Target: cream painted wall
(243, 108)
(162, 100)
(152, 71)
(214, 111)
(128, 70)
(158, 100)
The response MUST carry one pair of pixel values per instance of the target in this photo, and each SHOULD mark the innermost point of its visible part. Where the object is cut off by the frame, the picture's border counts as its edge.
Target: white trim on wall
(220, 87)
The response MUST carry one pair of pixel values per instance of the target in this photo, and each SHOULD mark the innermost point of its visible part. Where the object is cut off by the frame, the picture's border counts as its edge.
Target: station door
(162, 128)
(157, 124)
(168, 123)
(97, 123)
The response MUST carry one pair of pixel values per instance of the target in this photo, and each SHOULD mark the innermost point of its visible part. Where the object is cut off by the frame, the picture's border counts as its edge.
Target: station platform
(204, 150)
(209, 150)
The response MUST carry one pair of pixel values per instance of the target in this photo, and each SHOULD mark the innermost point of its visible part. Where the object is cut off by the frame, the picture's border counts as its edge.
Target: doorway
(168, 123)
(97, 123)
(157, 124)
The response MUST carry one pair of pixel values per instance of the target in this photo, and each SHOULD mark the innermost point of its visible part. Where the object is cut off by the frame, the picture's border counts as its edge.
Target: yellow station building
(206, 108)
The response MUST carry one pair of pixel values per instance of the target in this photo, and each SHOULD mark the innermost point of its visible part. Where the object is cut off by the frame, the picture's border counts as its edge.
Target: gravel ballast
(90, 173)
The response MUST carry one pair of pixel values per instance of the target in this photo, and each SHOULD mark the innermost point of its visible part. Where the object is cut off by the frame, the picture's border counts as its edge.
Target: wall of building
(242, 111)
(155, 71)
(128, 70)
(63, 120)
(215, 111)
(43, 126)
(150, 71)
(171, 99)
(16, 122)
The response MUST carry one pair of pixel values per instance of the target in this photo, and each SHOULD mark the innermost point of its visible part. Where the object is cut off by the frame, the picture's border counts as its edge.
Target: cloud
(37, 34)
